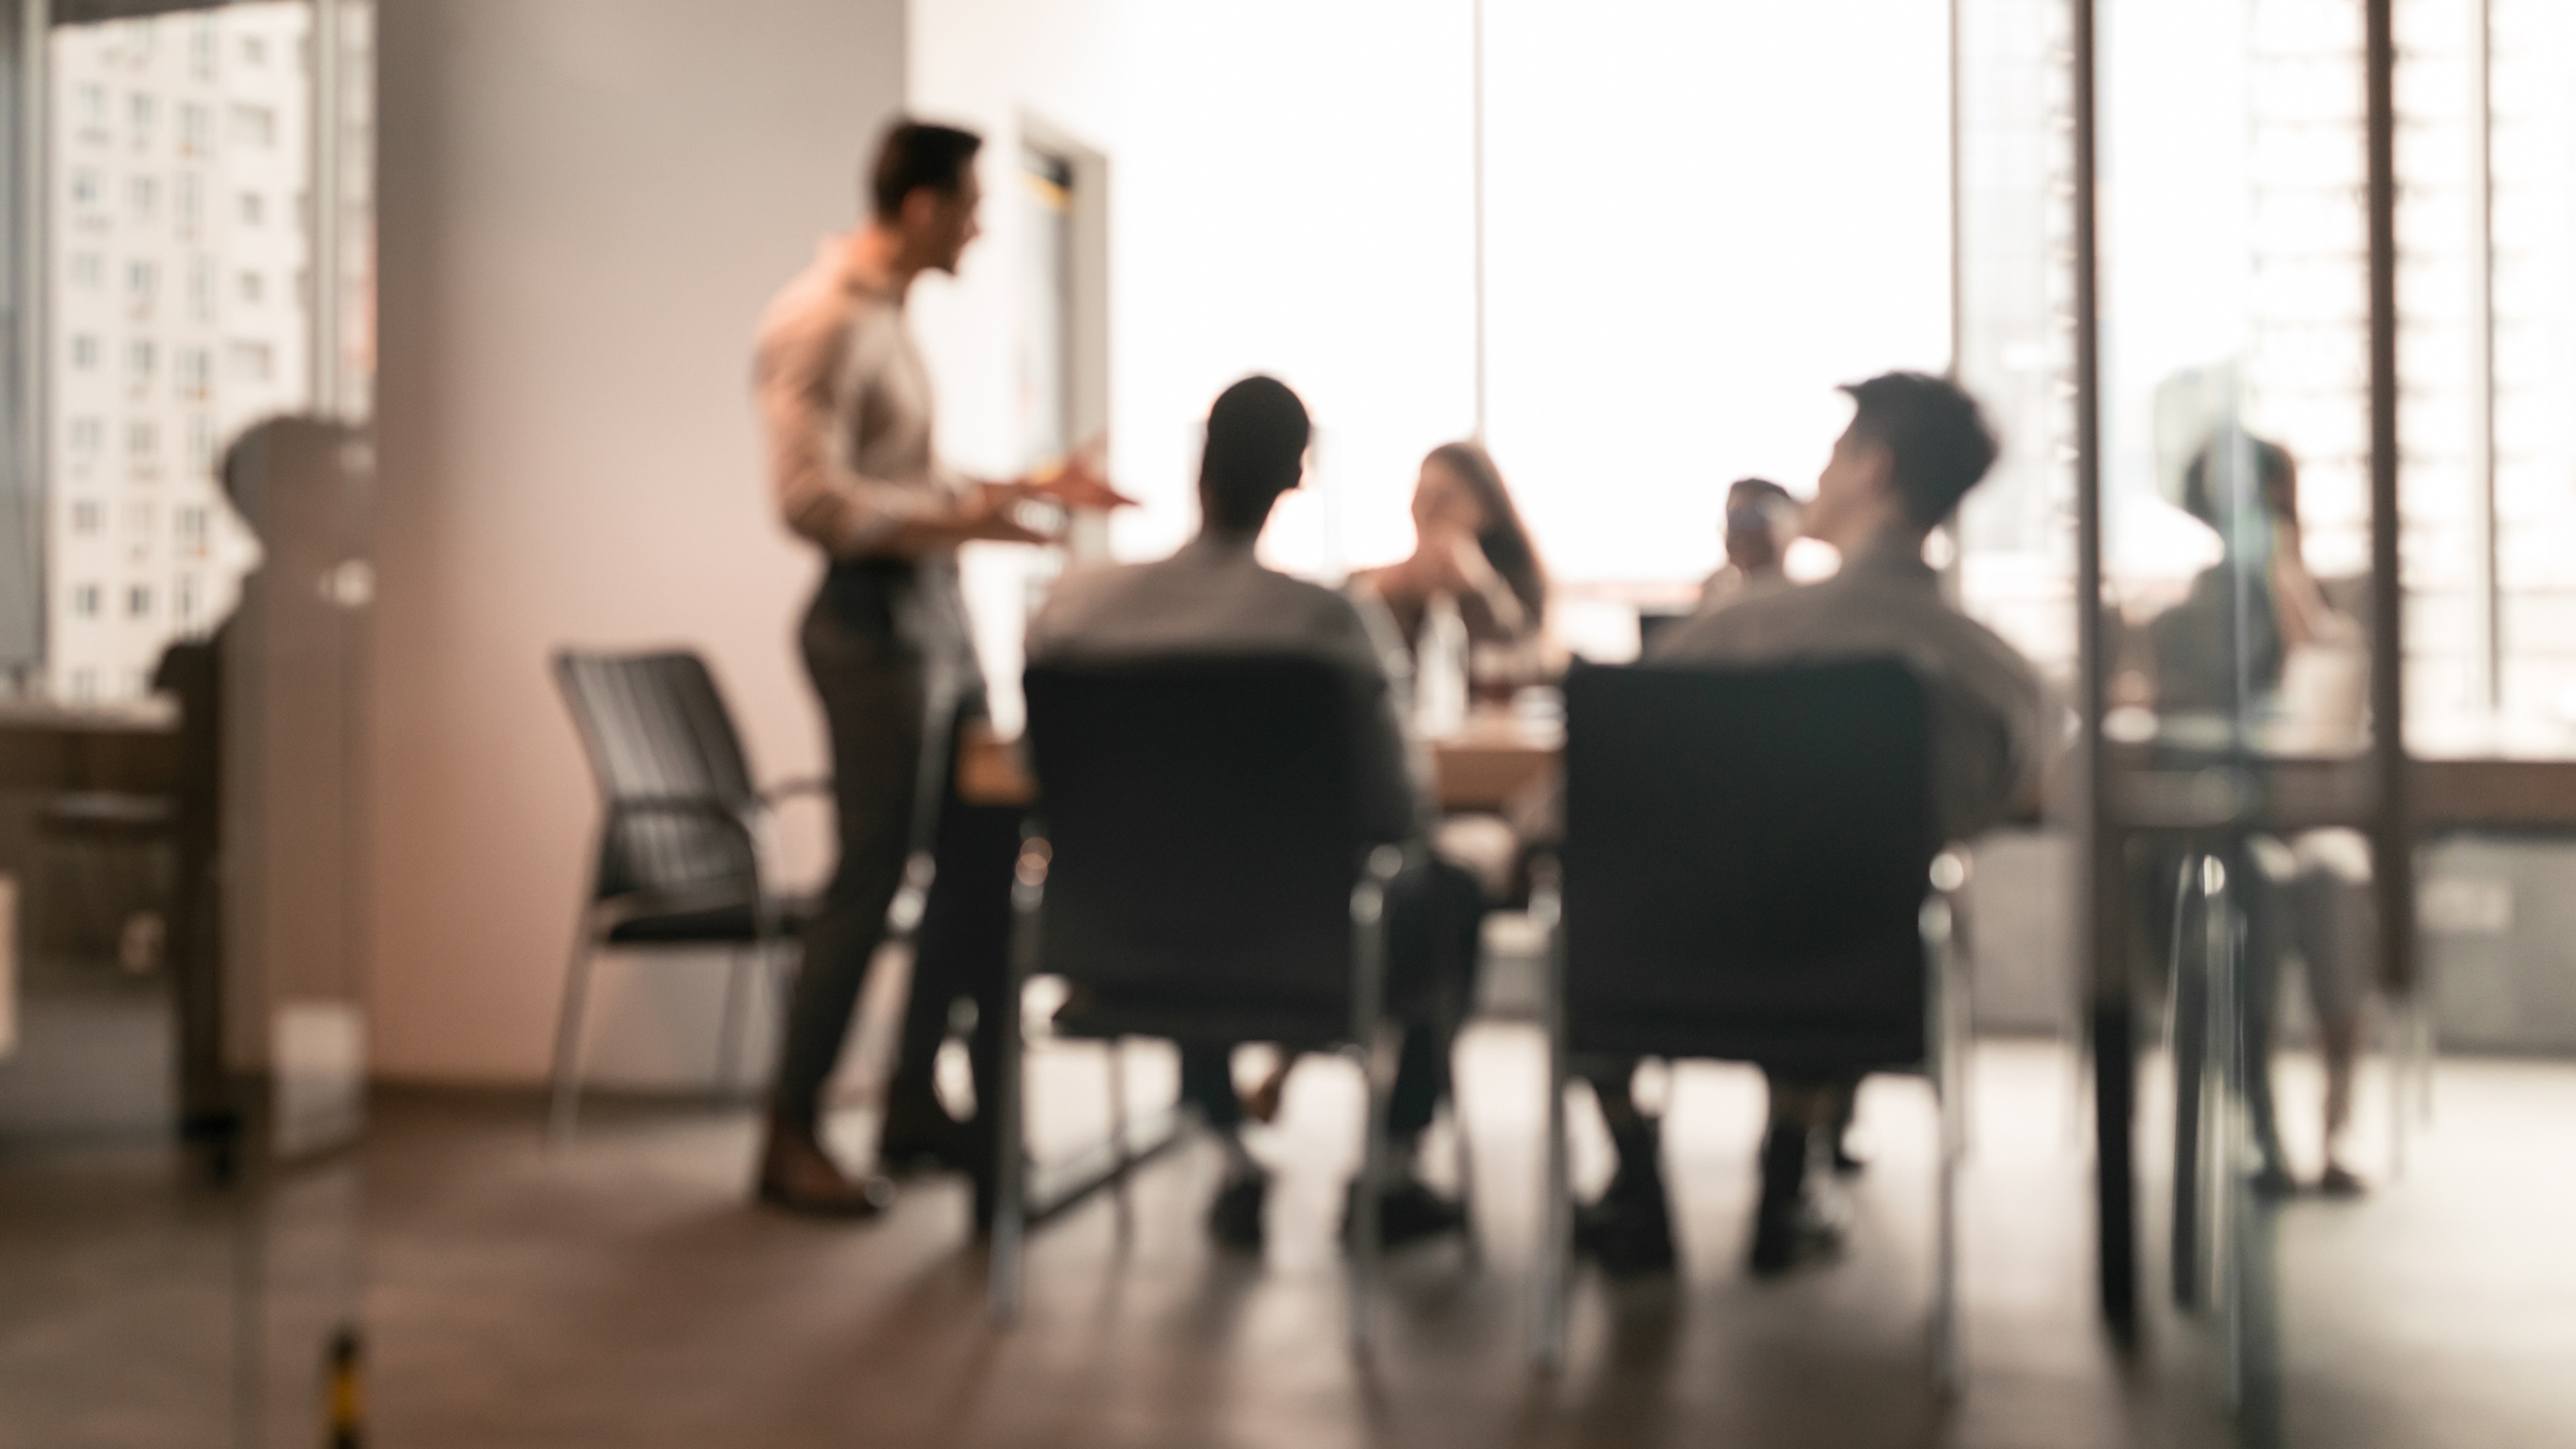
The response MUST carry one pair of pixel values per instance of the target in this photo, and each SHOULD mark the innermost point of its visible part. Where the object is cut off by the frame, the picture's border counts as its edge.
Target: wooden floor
(622, 1293)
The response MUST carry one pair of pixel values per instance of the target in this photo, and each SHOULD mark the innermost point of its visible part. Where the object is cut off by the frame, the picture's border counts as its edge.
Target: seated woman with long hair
(1469, 544)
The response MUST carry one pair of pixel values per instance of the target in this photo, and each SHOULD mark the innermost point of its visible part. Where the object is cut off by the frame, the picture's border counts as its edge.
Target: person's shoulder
(805, 317)
(1719, 625)
(1086, 584)
(1975, 635)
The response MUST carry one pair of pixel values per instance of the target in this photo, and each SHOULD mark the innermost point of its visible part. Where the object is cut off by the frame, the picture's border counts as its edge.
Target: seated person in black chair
(1213, 596)
(1915, 446)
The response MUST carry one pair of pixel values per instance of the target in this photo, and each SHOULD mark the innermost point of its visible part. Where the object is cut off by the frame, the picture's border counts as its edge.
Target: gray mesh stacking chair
(1749, 873)
(683, 859)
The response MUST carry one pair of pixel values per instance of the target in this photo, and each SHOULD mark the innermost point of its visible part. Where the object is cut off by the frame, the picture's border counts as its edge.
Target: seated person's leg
(1786, 1227)
(1630, 1229)
(2336, 926)
(1207, 1083)
(962, 949)
(1435, 927)
(1839, 1114)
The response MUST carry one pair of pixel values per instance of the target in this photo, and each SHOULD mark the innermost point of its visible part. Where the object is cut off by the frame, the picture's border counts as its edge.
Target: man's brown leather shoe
(798, 1175)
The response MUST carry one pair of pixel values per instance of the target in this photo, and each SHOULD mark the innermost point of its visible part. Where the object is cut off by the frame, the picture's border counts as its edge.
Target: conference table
(1478, 768)
(2465, 775)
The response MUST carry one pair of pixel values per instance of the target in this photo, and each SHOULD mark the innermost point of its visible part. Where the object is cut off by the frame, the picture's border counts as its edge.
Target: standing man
(846, 404)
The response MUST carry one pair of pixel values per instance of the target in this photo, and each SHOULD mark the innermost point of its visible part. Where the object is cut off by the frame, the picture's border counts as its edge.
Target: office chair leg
(2235, 1059)
(1466, 1165)
(1010, 1147)
(1368, 1033)
(2187, 1050)
(1945, 1058)
(1556, 1222)
(568, 1023)
(729, 1027)
(1122, 1147)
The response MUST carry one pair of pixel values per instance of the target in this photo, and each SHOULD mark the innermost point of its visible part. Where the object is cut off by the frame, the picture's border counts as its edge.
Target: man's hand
(1077, 483)
(988, 516)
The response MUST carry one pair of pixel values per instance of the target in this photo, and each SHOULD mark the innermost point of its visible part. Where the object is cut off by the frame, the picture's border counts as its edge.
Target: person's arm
(1486, 603)
(1455, 564)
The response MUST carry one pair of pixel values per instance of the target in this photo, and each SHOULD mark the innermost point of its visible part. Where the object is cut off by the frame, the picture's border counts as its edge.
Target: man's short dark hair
(1256, 450)
(1937, 442)
(915, 154)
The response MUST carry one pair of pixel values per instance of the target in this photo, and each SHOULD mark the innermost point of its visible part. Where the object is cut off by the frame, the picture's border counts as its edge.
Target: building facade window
(254, 126)
(88, 270)
(140, 276)
(196, 372)
(84, 351)
(85, 601)
(85, 515)
(142, 197)
(142, 439)
(138, 601)
(254, 288)
(253, 361)
(141, 111)
(87, 434)
(140, 358)
(254, 209)
(84, 187)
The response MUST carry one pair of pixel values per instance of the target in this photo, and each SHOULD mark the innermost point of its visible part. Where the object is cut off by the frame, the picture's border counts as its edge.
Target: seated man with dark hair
(1214, 597)
(1915, 446)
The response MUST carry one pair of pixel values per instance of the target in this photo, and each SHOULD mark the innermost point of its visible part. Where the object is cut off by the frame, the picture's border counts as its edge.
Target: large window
(144, 120)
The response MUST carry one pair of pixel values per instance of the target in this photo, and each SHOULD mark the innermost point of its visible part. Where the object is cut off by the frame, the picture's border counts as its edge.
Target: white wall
(585, 204)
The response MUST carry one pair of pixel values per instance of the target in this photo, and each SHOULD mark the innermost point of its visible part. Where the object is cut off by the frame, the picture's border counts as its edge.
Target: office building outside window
(197, 114)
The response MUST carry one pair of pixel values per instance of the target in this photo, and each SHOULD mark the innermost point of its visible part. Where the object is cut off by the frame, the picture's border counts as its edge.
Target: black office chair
(684, 839)
(1203, 874)
(1749, 873)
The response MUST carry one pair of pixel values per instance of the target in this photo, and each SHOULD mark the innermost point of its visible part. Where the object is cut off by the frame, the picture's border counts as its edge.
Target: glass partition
(183, 648)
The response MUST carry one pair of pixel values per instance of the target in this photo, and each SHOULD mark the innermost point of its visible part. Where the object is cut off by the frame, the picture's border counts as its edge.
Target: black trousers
(1435, 922)
(891, 715)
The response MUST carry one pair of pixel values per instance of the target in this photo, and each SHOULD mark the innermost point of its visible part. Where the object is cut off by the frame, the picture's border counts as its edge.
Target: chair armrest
(682, 805)
(801, 785)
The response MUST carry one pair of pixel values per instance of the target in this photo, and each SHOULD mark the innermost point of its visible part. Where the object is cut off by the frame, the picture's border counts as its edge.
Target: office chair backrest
(1746, 855)
(657, 731)
(1204, 819)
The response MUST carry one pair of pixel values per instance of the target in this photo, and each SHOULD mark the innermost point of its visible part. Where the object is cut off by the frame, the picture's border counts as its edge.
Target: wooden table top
(128, 745)
(2467, 786)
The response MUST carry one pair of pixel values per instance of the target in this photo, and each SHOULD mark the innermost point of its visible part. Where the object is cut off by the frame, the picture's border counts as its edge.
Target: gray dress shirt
(1214, 598)
(1990, 717)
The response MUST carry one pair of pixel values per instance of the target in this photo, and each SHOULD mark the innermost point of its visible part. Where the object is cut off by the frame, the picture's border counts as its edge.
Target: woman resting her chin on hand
(1470, 545)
